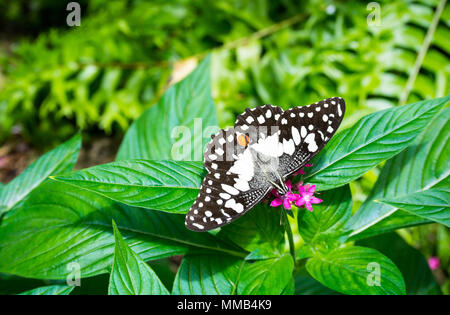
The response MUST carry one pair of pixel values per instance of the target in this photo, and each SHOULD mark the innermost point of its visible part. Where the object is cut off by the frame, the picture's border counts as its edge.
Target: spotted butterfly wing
(265, 146)
(306, 130)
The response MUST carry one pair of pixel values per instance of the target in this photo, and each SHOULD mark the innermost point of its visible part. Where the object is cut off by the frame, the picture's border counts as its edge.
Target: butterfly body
(265, 147)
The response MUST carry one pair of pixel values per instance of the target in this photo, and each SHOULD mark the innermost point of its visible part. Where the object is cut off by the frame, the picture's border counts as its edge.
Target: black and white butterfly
(265, 147)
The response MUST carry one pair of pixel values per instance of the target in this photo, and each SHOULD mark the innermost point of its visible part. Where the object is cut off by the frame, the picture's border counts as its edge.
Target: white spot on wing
(303, 131)
(310, 140)
(238, 207)
(242, 185)
(199, 226)
(229, 189)
(288, 146)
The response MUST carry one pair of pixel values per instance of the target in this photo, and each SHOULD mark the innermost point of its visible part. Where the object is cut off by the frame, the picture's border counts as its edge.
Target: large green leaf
(130, 275)
(208, 274)
(399, 219)
(224, 274)
(328, 218)
(185, 107)
(57, 161)
(270, 276)
(420, 167)
(432, 204)
(410, 261)
(258, 231)
(373, 139)
(50, 290)
(58, 224)
(158, 185)
(349, 271)
(307, 285)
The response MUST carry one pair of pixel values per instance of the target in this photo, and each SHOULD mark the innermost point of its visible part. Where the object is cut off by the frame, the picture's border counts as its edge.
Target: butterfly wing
(233, 184)
(306, 130)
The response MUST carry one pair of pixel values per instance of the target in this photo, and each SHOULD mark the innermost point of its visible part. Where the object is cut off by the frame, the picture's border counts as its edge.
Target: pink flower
(302, 171)
(307, 198)
(433, 262)
(285, 199)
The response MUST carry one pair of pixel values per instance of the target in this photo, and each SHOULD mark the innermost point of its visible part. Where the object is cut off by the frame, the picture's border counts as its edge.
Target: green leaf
(130, 275)
(324, 224)
(158, 185)
(184, 109)
(58, 224)
(208, 274)
(410, 261)
(349, 270)
(420, 167)
(258, 230)
(432, 204)
(290, 288)
(399, 219)
(268, 276)
(57, 161)
(373, 139)
(50, 290)
(11, 284)
(307, 285)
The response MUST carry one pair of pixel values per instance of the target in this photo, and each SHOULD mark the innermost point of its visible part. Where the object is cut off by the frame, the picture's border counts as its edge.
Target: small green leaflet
(432, 204)
(170, 186)
(130, 275)
(50, 290)
(357, 270)
(57, 161)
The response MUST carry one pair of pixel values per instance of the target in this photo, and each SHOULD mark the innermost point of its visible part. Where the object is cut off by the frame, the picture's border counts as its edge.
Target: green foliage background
(103, 75)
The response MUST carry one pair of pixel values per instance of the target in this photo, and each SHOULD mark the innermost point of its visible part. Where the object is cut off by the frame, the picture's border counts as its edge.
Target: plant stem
(422, 52)
(287, 228)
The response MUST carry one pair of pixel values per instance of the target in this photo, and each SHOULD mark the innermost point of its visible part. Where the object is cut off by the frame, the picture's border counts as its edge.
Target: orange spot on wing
(243, 140)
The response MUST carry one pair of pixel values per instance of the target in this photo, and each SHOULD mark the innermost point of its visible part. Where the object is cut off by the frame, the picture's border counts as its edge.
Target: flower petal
(275, 193)
(288, 184)
(308, 206)
(315, 200)
(300, 172)
(301, 189)
(300, 202)
(276, 202)
(287, 204)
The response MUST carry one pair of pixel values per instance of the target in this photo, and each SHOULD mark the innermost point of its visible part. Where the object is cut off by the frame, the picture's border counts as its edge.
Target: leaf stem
(287, 228)
(422, 52)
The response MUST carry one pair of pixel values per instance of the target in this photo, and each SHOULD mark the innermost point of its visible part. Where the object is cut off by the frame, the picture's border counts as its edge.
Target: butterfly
(266, 145)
